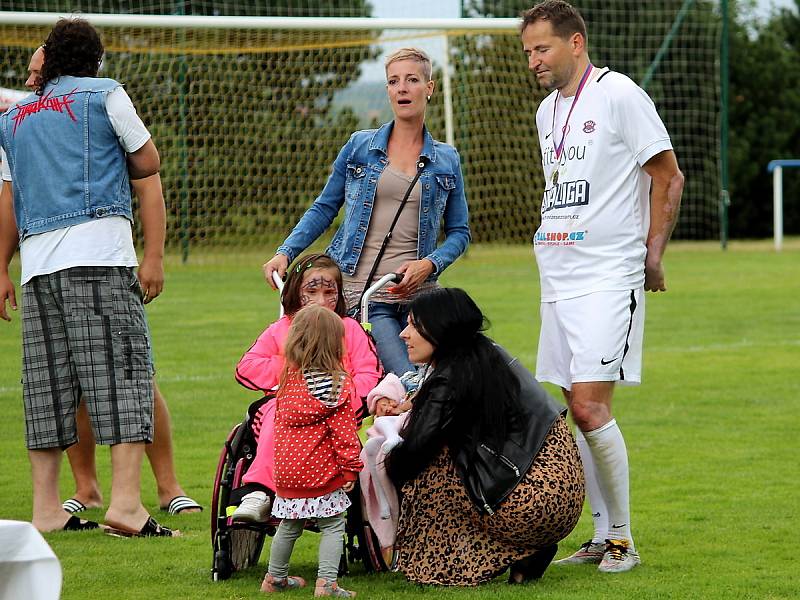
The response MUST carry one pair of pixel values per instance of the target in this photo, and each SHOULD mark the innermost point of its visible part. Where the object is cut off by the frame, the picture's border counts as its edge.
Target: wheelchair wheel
(362, 543)
(371, 550)
(222, 567)
(236, 546)
(245, 546)
(220, 492)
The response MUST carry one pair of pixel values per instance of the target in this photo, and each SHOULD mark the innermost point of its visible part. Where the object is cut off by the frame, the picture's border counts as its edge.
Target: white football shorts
(596, 337)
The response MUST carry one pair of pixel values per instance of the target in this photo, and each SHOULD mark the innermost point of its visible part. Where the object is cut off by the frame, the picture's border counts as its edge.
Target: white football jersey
(596, 204)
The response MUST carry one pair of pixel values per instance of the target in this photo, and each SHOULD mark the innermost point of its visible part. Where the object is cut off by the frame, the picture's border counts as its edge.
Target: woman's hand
(348, 487)
(278, 263)
(414, 272)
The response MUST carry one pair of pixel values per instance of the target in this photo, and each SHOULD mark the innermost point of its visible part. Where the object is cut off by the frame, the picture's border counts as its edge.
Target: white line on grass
(745, 343)
(166, 379)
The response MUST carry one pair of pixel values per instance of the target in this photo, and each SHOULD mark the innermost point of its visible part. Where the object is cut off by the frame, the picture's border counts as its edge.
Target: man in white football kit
(612, 193)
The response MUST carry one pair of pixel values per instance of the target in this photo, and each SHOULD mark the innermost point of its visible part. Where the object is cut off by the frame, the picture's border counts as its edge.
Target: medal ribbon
(560, 147)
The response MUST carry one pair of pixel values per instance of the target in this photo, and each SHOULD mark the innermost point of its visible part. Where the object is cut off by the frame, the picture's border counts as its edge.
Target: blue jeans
(388, 320)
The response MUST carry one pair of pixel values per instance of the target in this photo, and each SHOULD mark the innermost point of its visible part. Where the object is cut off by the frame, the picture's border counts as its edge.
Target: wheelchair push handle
(388, 278)
(278, 284)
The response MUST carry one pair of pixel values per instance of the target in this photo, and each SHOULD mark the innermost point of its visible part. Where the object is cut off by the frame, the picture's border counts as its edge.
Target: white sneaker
(255, 508)
(589, 552)
(618, 557)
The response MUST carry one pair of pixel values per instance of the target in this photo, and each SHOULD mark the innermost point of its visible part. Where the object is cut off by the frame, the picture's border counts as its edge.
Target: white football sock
(596, 502)
(610, 457)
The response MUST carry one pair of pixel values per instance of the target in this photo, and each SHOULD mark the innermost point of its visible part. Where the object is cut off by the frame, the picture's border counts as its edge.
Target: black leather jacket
(493, 473)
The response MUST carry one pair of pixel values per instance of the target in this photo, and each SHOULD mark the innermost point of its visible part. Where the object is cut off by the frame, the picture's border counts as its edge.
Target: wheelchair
(237, 546)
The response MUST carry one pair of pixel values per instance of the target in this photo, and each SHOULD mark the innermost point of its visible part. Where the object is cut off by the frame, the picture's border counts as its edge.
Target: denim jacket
(66, 161)
(353, 182)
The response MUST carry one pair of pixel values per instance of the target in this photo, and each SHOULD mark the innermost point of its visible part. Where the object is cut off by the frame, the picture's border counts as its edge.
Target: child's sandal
(325, 587)
(273, 584)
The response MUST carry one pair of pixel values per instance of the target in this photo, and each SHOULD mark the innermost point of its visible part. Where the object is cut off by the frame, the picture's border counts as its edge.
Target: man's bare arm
(665, 201)
(9, 239)
(144, 162)
(154, 221)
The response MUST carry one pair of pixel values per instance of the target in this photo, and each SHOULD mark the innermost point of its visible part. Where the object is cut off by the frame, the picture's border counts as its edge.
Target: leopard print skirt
(442, 538)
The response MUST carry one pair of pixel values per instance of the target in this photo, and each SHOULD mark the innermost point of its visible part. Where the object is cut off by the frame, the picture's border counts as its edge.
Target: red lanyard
(560, 147)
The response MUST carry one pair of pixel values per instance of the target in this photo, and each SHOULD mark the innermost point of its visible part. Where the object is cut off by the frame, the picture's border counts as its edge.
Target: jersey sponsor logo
(566, 194)
(558, 238)
(570, 153)
(589, 127)
(553, 217)
(60, 104)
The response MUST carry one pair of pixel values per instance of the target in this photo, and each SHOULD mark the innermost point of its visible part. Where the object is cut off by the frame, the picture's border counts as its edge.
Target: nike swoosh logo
(604, 362)
(618, 526)
(548, 135)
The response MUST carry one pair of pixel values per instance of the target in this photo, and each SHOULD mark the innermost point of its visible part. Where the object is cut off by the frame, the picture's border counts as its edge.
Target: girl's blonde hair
(315, 341)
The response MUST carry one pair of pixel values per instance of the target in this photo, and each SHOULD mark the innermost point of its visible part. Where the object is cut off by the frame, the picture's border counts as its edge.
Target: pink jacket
(260, 367)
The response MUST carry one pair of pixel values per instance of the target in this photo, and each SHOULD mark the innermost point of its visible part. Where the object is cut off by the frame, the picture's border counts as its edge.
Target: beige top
(392, 186)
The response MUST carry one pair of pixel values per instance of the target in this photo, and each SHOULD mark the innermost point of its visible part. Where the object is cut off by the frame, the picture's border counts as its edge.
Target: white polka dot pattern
(316, 446)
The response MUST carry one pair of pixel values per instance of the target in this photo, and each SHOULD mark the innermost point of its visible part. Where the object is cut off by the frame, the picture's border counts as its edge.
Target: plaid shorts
(84, 333)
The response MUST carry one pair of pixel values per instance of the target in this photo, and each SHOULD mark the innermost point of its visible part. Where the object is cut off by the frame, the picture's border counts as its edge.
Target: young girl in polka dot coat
(316, 448)
(312, 279)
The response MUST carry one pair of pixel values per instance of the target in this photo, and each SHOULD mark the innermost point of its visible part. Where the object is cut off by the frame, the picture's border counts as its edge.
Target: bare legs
(126, 508)
(81, 459)
(159, 454)
(47, 512)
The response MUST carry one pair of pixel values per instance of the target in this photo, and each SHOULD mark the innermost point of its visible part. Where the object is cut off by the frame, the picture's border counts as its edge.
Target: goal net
(248, 119)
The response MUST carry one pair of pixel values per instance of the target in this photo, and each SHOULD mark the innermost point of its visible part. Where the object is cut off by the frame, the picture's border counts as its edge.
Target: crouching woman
(490, 475)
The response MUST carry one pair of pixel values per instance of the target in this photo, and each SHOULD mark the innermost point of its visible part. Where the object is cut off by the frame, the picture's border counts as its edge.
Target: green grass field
(712, 432)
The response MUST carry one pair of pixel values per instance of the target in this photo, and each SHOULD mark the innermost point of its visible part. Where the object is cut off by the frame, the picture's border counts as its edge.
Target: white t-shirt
(106, 242)
(596, 214)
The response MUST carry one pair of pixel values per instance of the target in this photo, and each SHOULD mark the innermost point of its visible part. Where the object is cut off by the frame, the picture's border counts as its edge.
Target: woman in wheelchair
(313, 279)
(317, 448)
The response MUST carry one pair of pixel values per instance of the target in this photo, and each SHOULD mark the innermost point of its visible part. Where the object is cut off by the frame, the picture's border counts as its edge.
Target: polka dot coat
(316, 447)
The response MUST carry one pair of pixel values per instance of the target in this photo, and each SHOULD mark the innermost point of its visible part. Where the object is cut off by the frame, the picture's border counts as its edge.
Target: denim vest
(353, 182)
(66, 162)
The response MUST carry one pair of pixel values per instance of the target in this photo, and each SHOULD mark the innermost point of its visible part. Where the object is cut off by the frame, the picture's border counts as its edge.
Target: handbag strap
(388, 237)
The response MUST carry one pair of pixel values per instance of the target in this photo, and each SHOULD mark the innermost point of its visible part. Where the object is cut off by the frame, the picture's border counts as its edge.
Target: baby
(390, 401)
(387, 401)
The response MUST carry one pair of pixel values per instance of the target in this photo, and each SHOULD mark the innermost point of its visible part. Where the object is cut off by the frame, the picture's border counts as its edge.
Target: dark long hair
(73, 47)
(483, 387)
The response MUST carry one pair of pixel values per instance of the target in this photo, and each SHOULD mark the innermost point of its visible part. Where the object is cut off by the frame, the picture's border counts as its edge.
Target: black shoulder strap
(387, 239)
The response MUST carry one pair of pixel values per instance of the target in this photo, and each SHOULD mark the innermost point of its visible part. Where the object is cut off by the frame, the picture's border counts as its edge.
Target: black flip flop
(150, 529)
(73, 505)
(76, 524)
(179, 504)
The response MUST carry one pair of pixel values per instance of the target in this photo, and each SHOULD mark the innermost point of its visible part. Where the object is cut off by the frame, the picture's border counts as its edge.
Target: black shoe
(532, 567)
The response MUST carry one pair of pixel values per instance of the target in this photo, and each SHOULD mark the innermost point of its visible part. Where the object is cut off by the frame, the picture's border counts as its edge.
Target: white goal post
(776, 168)
(224, 22)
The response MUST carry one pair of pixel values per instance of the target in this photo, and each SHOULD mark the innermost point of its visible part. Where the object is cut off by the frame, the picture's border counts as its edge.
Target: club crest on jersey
(588, 127)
